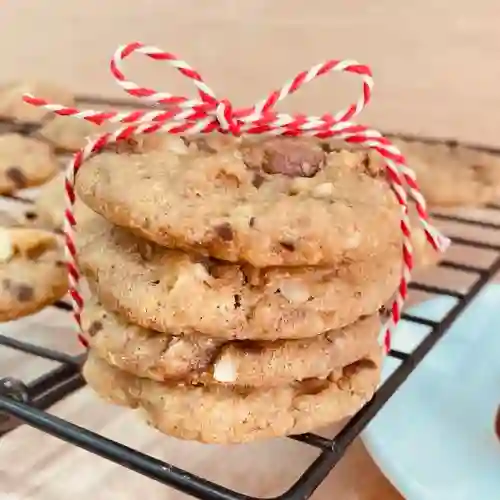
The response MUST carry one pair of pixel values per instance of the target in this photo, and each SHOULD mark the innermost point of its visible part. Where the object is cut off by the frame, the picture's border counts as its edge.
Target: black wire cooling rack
(25, 402)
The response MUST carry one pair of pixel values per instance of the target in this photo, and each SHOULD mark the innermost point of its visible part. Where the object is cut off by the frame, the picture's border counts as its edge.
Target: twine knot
(228, 123)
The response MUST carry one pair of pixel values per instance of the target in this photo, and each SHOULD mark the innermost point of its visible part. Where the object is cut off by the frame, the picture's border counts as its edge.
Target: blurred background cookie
(24, 162)
(12, 106)
(67, 133)
(47, 211)
(32, 271)
(451, 175)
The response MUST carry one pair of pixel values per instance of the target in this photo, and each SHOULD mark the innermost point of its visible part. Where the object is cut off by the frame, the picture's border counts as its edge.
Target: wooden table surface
(35, 466)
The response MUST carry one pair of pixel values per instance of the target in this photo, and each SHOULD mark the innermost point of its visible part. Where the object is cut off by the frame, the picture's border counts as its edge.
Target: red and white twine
(210, 114)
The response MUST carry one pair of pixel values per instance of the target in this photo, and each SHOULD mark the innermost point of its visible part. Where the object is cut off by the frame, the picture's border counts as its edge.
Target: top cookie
(12, 106)
(271, 202)
(453, 175)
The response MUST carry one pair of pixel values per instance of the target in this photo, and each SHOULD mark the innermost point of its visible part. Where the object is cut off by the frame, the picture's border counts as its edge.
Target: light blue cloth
(435, 438)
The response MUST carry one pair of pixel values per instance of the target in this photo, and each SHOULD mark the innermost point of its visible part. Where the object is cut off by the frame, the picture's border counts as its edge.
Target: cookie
(32, 272)
(179, 292)
(66, 133)
(222, 414)
(452, 175)
(50, 203)
(12, 106)
(198, 358)
(24, 162)
(271, 202)
(9, 220)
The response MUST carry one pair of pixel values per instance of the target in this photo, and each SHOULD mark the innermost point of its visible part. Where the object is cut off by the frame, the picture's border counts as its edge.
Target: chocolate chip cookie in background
(274, 202)
(194, 358)
(67, 134)
(32, 272)
(175, 291)
(49, 204)
(451, 175)
(225, 414)
(24, 163)
(12, 106)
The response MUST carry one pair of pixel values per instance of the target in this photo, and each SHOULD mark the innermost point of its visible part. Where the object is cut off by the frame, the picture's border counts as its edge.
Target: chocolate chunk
(203, 145)
(478, 168)
(210, 264)
(287, 245)
(237, 301)
(258, 180)
(251, 222)
(155, 282)
(17, 177)
(30, 215)
(372, 166)
(36, 251)
(224, 231)
(24, 293)
(251, 346)
(292, 157)
(27, 128)
(145, 251)
(312, 386)
(60, 263)
(95, 327)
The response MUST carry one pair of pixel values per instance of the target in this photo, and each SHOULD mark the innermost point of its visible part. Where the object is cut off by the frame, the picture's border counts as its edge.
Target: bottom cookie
(221, 414)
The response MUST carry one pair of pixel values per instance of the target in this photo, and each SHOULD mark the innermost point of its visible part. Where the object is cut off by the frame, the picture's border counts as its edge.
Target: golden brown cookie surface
(273, 202)
(198, 358)
(173, 291)
(221, 414)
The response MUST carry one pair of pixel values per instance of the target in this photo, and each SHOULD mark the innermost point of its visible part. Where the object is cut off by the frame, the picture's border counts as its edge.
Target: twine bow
(208, 114)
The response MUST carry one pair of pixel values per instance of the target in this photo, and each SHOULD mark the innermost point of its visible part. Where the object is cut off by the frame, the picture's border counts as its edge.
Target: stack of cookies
(236, 284)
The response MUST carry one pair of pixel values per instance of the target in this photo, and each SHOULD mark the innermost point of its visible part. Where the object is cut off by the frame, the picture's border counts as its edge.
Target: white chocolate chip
(200, 272)
(176, 345)
(299, 185)
(353, 240)
(323, 191)
(6, 246)
(225, 370)
(294, 292)
(177, 146)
